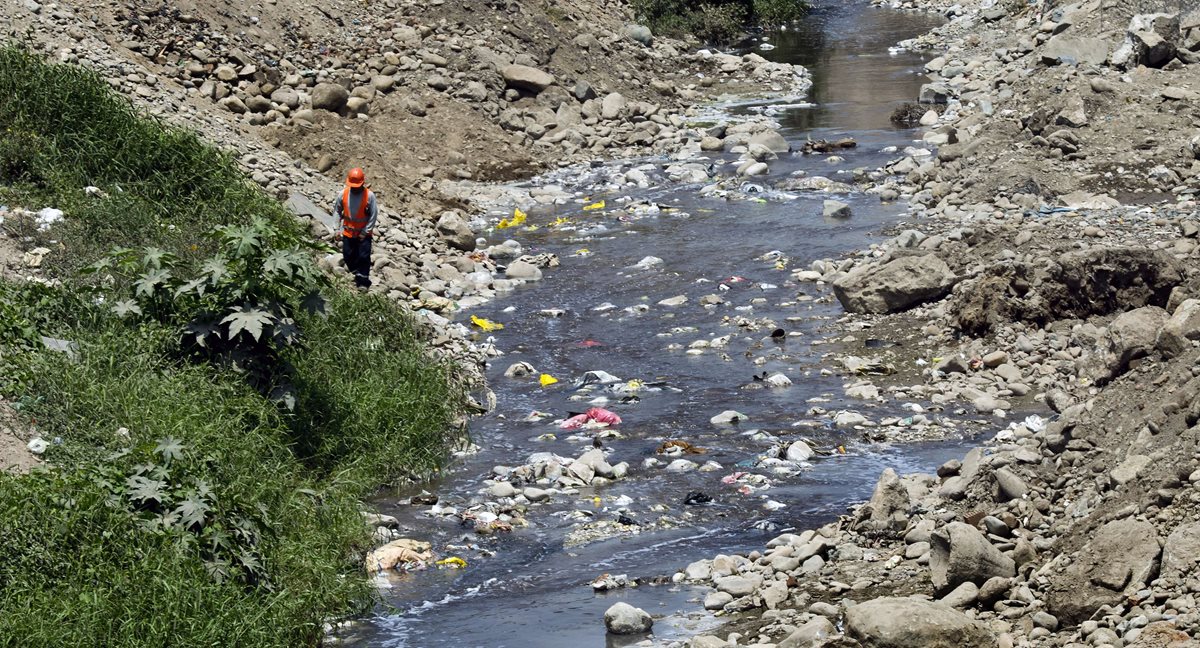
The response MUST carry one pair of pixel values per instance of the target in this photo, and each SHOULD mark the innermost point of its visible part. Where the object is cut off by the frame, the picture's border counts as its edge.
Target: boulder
(612, 106)
(1062, 49)
(836, 209)
(455, 232)
(914, 623)
(934, 93)
(329, 96)
(1182, 551)
(770, 140)
(624, 619)
(895, 285)
(813, 633)
(1120, 558)
(639, 34)
(1134, 334)
(959, 553)
(1181, 329)
(523, 270)
(888, 507)
(523, 77)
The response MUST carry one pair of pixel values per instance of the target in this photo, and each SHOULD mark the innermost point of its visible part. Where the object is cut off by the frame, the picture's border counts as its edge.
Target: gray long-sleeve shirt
(356, 200)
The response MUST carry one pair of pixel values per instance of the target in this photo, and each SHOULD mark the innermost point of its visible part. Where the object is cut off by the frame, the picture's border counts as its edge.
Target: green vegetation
(716, 21)
(226, 406)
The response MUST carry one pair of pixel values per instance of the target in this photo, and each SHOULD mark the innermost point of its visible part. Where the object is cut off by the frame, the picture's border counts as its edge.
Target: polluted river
(642, 279)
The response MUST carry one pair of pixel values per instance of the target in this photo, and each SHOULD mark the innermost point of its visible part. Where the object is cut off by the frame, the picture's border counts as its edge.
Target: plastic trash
(486, 325)
(594, 415)
(560, 221)
(676, 447)
(695, 498)
(546, 380)
(452, 561)
(37, 446)
(518, 218)
(594, 206)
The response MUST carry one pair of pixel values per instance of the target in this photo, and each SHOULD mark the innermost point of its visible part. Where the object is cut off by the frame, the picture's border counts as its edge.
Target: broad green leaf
(144, 490)
(192, 511)
(151, 281)
(248, 319)
(313, 303)
(201, 331)
(169, 449)
(216, 268)
(126, 307)
(157, 258)
(196, 286)
(241, 242)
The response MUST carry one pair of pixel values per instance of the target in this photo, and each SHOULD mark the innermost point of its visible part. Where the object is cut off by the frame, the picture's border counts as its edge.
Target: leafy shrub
(187, 522)
(717, 21)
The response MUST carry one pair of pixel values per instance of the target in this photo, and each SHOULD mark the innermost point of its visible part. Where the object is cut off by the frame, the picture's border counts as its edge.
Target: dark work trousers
(356, 252)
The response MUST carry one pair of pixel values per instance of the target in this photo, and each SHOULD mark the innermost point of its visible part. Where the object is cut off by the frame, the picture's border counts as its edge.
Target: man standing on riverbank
(357, 213)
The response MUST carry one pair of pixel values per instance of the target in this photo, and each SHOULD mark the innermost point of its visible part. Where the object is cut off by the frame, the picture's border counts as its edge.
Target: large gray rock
(329, 96)
(527, 78)
(624, 619)
(1120, 558)
(914, 623)
(960, 553)
(612, 106)
(836, 209)
(888, 507)
(1181, 329)
(455, 232)
(813, 633)
(770, 140)
(1133, 334)
(934, 93)
(639, 34)
(1182, 551)
(894, 286)
(1074, 50)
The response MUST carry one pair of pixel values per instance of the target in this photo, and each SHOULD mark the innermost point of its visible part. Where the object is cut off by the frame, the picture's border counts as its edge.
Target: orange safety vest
(352, 224)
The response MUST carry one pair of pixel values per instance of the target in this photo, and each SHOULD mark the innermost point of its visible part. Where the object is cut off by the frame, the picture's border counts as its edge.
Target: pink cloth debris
(597, 414)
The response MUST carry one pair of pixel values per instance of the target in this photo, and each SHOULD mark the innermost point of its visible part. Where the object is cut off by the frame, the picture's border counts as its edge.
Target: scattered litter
(695, 498)
(546, 380)
(518, 218)
(47, 218)
(677, 447)
(37, 446)
(404, 553)
(594, 415)
(486, 325)
(452, 561)
(594, 206)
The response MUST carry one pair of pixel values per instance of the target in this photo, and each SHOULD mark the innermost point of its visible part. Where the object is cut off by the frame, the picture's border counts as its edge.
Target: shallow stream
(527, 588)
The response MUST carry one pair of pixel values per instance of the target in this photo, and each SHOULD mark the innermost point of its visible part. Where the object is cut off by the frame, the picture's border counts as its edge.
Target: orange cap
(356, 178)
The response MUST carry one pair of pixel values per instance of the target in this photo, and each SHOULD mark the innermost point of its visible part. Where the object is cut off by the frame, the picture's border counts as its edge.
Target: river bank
(1025, 281)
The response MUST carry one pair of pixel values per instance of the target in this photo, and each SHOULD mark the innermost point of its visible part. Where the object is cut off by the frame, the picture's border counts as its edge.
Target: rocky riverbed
(1049, 257)
(1040, 290)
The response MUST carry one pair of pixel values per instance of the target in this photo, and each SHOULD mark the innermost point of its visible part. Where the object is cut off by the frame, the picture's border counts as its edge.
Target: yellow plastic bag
(561, 220)
(547, 380)
(487, 325)
(452, 561)
(518, 218)
(594, 206)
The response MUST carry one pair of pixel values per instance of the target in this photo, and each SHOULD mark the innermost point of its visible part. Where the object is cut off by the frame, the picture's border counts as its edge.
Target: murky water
(533, 591)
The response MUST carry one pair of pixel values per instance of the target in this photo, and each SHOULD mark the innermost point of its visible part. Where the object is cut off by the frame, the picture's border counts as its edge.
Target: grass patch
(65, 130)
(183, 505)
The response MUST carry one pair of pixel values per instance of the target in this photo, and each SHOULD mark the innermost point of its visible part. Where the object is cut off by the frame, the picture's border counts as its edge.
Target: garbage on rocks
(486, 325)
(695, 498)
(453, 561)
(675, 447)
(404, 553)
(546, 380)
